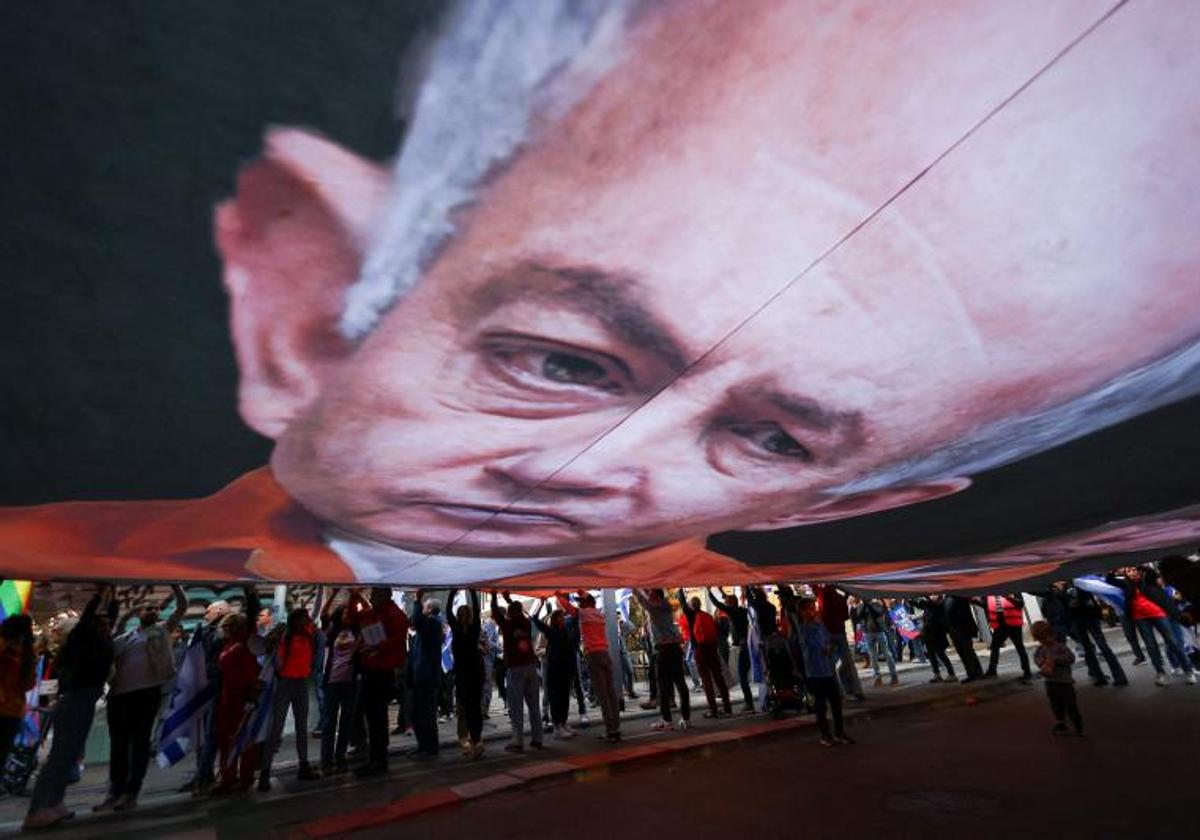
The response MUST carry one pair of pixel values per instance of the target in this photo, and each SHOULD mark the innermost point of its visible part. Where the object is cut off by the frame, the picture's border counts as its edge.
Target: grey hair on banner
(493, 67)
(1161, 382)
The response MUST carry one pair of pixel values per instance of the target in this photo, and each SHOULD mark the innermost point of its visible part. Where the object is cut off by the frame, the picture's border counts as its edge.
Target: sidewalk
(409, 778)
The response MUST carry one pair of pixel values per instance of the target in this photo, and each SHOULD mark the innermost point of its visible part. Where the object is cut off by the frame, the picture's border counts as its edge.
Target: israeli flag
(447, 650)
(183, 727)
(624, 596)
(1102, 589)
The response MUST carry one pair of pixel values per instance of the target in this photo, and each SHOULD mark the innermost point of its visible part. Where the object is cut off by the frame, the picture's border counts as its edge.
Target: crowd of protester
(361, 654)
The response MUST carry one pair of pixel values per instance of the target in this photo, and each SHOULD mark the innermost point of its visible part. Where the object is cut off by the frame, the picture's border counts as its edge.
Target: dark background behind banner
(125, 123)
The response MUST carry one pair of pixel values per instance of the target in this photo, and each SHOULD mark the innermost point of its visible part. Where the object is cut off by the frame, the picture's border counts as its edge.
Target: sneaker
(264, 783)
(660, 725)
(1161, 680)
(1027, 678)
(47, 817)
(844, 739)
(126, 803)
(990, 675)
(1141, 660)
(583, 721)
(1120, 682)
(514, 748)
(936, 678)
(648, 704)
(316, 733)
(537, 745)
(1175, 672)
(1100, 681)
(683, 725)
(307, 774)
(1190, 679)
(894, 681)
(477, 751)
(107, 805)
(878, 683)
(613, 737)
(563, 734)
(826, 742)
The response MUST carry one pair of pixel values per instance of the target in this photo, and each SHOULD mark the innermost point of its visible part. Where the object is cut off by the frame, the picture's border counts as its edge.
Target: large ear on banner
(291, 241)
(869, 501)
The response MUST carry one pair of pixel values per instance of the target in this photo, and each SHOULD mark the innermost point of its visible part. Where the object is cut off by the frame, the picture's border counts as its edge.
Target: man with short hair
(834, 612)
(668, 649)
(703, 631)
(593, 628)
(739, 645)
(1006, 617)
(425, 666)
(384, 649)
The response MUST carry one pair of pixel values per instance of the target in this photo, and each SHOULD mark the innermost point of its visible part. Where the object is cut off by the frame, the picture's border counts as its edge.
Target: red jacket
(392, 653)
(705, 628)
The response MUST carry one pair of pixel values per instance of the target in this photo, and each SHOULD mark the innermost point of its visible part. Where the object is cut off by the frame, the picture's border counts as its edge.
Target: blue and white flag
(447, 650)
(758, 669)
(183, 727)
(1102, 589)
(624, 596)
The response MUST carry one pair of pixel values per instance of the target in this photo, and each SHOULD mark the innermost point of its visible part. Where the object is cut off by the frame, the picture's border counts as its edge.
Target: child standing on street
(1054, 659)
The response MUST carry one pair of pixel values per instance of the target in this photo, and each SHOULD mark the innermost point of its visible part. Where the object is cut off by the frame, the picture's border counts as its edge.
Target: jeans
(689, 659)
(824, 691)
(999, 635)
(600, 669)
(670, 677)
(874, 642)
(1131, 635)
(375, 691)
(559, 676)
(1090, 636)
(522, 695)
(936, 656)
(131, 718)
(847, 667)
(485, 690)
(337, 720)
(290, 693)
(626, 673)
(708, 663)
(73, 714)
(1062, 703)
(1147, 626)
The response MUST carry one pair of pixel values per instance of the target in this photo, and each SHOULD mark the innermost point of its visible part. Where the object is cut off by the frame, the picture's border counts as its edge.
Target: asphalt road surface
(990, 770)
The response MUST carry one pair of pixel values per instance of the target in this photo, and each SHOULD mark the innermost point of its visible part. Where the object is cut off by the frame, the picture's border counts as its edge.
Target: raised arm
(181, 606)
(685, 606)
(718, 602)
(565, 602)
(477, 619)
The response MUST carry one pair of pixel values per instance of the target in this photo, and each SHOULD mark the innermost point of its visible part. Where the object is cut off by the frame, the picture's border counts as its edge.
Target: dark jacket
(960, 619)
(87, 654)
(937, 623)
(425, 657)
(739, 618)
(468, 660)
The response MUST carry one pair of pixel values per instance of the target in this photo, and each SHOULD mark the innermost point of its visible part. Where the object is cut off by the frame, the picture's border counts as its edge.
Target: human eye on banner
(609, 293)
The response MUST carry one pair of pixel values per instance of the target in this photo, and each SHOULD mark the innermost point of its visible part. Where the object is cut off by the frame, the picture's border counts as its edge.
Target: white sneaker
(563, 734)
(583, 720)
(570, 731)
(682, 725)
(1175, 672)
(1161, 680)
(1191, 678)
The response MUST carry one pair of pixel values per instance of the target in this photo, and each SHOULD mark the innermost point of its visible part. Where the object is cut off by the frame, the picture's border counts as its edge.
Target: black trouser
(966, 652)
(468, 689)
(131, 719)
(425, 696)
(559, 674)
(375, 692)
(1090, 636)
(670, 677)
(1013, 634)
(1062, 703)
(581, 685)
(403, 699)
(1132, 637)
(825, 690)
(652, 673)
(938, 655)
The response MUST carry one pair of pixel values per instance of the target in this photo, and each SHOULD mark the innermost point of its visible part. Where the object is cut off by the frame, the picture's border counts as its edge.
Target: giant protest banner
(900, 295)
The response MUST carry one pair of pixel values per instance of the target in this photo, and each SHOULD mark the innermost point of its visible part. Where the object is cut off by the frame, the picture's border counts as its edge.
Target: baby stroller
(785, 685)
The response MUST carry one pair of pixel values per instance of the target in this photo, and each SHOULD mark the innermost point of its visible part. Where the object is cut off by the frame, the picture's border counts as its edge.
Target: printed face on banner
(754, 273)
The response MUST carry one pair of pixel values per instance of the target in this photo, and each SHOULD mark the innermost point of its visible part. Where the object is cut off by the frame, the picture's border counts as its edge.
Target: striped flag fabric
(183, 727)
(1102, 589)
(256, 723)
(14, 597)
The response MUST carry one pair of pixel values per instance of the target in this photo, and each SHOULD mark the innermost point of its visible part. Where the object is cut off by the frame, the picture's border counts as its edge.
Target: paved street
(927, 754)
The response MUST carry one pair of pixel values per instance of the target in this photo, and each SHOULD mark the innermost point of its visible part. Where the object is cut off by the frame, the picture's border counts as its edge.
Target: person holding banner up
(1006, 617)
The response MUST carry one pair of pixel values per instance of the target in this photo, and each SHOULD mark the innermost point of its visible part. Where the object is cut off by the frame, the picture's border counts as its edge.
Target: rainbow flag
(14, 597)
